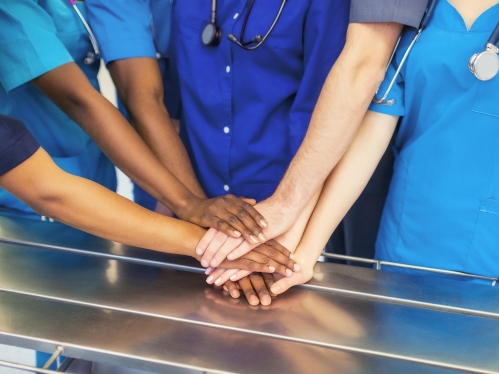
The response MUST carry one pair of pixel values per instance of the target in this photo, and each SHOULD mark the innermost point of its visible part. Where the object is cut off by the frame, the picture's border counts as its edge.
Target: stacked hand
(230, 215)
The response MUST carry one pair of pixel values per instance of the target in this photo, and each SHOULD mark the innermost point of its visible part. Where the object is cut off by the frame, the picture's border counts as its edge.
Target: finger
(248, 291)
(239, 219)
(215, 275)
(259, 262)
(232, 289)
(209, 270)
(277, 257)
(269, 281)
(279, 247)
(205, 241)
(225, 276)
(221, 224)
(284, 284)
(240, 274)
(260, 288)
(249, 201)
(244, 248)
(253, 262)
(227, 247)
(248, 216)
(215, 244)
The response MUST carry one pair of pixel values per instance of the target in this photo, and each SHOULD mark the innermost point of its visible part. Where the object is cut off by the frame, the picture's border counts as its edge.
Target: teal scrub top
(38, 36)
(442, 210)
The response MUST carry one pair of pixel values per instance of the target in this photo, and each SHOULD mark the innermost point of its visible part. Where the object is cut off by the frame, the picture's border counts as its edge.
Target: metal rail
(380, 263)
(45, 368)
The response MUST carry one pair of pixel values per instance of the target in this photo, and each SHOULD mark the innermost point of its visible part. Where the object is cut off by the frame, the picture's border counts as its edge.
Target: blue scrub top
(442, 210)
(37, 37)
(245, 113)
(139, 29)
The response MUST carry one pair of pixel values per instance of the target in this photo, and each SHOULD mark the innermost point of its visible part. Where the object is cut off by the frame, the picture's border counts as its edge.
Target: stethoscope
(212, 34)
(484, 65)
(91, 56)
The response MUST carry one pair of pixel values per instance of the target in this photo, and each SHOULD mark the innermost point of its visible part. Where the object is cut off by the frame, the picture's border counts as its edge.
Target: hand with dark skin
(71, 91)
(88, 206)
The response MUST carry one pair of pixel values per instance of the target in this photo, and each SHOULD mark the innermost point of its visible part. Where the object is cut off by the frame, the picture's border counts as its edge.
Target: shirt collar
(447, 17)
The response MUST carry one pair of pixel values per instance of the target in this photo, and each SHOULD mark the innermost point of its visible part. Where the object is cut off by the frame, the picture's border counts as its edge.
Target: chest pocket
(486, 99)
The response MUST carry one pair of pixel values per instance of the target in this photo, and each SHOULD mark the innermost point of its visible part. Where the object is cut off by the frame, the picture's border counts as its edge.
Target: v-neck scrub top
(442, 210)
(38, 36)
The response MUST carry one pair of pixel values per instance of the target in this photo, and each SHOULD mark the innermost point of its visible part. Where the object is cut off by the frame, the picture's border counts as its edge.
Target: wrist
(183, 205)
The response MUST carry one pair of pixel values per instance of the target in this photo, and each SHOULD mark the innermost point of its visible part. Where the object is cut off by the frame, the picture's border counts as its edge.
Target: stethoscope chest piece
(485, 65)
(211, 35)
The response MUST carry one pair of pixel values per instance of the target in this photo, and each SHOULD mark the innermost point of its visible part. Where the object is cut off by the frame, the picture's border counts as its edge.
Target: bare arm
(140, 87)
(347, 92)
(80, 203)
(88, 206)
(71, 91)
(342, 188)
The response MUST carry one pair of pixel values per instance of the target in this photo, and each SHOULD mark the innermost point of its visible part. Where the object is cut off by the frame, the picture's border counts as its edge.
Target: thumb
(247, 200)
(284, 284)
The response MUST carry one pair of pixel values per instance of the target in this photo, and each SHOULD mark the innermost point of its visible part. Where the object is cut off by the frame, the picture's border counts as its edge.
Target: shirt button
(227, 69)
(226, 187)
(226, 130)
(236, 15)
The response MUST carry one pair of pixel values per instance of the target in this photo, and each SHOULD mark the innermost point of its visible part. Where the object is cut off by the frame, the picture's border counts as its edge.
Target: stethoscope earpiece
(212, 35)
(485, 65)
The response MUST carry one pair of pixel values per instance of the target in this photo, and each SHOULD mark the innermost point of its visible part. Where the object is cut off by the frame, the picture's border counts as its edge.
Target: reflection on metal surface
(117, 308)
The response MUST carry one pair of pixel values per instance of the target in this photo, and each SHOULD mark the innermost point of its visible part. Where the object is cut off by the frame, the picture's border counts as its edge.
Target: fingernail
(204, 263)
(296, 267)
(262, 237)
(289, 272)
(237, 233)
(218, 281)
(275, 289)
(291, 256)
(264, 223)
(233, 277)
(271, 268)
(235, 294)
(230, 257)
(199, 251)
(254, 239)
(254, 300)
(266, 300)
(208, 270)
(225, 288)
(209, 279)
(214, 263)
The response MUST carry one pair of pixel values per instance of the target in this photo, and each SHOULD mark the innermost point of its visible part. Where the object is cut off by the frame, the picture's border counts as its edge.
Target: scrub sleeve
(16, 144)
(356, 234)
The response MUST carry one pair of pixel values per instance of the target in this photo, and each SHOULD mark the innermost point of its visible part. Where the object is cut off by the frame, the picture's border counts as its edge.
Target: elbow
(365, 71)
(47, 201)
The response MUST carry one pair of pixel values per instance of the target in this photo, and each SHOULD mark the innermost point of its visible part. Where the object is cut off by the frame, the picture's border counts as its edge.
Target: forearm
(92, 208)
(139, 85)
(345, 184)
(68, 88)
(346, 94)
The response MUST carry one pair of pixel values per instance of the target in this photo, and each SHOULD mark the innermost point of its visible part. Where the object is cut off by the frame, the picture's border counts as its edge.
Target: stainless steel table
(110, 303)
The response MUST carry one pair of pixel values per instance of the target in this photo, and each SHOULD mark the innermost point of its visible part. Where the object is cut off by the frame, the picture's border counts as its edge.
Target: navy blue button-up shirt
(245, 113)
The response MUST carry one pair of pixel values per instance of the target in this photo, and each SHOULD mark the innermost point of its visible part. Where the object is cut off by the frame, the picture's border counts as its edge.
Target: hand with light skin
(256, 287)
(343, 186)
(215, 246)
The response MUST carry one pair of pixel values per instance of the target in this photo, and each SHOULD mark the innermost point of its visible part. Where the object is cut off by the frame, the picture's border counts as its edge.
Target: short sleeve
(397, 93)
(16, 143)
(405, 12)
(121, 31)
(29, 46)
